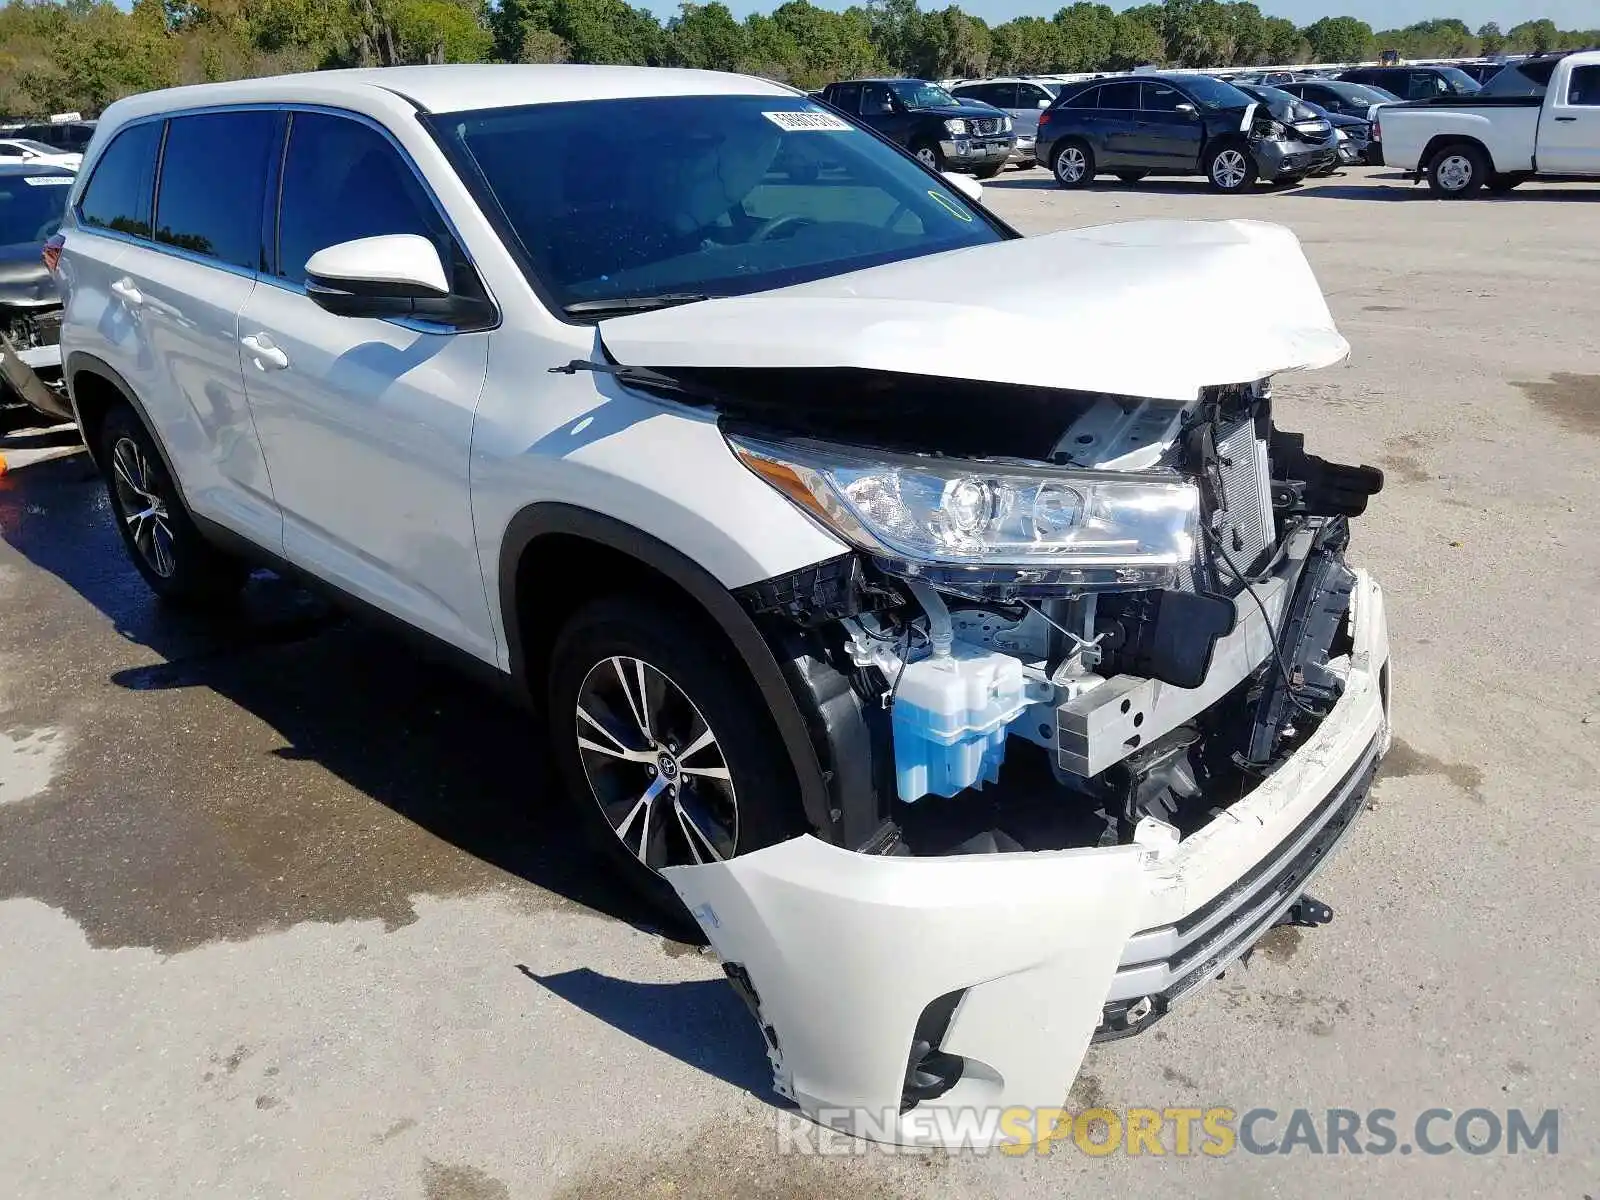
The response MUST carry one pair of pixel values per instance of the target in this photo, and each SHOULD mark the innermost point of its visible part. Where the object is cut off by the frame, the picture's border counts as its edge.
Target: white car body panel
(1092, 295)
(844, 951)
(1557, 137)
(367, 431)
(168, 324)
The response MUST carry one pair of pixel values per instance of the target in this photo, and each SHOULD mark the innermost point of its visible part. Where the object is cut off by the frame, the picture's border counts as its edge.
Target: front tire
(929, 155)
(988, 172)
(665, 745)
(1073, 165)
(1230, 168)
(1457, 171)
(167, 548)
(1130, 177)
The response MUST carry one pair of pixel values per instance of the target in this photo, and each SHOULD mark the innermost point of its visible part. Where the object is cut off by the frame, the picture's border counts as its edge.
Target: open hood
(1157, 309)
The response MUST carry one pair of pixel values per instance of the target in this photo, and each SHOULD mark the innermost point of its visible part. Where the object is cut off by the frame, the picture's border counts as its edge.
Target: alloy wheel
(927, 157)
(142, 507)
(1228, 169)
(1455, 173)
(654, 766)
(1070, 165)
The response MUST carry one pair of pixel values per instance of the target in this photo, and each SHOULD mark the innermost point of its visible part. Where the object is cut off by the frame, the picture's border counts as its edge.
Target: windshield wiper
(627, 304)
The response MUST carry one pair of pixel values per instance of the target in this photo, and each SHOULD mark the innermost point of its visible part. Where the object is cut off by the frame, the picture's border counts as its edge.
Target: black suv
(1415, 83)
(1131, 127)
(946, 134)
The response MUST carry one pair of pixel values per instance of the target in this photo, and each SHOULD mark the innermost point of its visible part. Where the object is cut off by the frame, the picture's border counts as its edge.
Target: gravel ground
(283, 911)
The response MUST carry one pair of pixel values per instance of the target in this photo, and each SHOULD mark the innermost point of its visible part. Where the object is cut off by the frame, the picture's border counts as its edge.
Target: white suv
(686, 409)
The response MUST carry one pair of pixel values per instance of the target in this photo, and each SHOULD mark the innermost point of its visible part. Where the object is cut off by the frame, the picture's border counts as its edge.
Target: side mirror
(395, 275)
(965, 184)
(1187, 109)
(1043, 104)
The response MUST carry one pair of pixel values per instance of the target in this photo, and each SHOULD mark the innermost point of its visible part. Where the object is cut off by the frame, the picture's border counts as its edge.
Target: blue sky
(1380, 14)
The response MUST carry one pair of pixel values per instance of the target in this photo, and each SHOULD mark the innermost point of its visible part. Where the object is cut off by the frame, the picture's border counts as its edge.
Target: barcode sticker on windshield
(805, 122)
(47, 180)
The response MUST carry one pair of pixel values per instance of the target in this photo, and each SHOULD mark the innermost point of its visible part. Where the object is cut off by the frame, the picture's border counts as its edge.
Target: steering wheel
(770, 227)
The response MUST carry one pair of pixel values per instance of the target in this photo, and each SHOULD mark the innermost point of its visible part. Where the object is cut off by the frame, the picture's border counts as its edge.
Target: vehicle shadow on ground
(701, 1023)
(448, 754)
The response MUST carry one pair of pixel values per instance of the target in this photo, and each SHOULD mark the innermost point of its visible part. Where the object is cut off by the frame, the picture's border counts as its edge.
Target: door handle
(264, 352)
(1566, 118)
(125, 289)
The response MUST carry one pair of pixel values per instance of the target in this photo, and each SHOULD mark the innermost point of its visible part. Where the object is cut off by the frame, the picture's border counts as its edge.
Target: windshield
(913, 93)
(1212, 93)
(1460, 82)
(31, 207)
(691, 195)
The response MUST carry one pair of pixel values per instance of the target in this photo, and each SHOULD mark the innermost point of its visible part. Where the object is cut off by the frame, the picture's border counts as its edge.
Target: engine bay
(1000, 714)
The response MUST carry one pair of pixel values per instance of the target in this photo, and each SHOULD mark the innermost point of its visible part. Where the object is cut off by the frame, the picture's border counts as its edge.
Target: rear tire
(694, 743)
(1457, 171)
(1230, 168)
(167, 548)
(988, 172)
(1073, 164)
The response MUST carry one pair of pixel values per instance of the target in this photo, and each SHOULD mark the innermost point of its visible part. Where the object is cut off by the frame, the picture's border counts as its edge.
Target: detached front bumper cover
(1004, 964)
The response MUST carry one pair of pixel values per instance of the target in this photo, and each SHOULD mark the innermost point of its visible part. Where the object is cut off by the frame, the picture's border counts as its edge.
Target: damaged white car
(975, 703)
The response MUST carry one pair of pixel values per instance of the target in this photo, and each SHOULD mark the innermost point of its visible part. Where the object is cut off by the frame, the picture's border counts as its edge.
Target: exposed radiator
(1246, 526)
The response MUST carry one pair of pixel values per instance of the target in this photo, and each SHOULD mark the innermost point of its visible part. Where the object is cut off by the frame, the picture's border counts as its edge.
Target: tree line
(80, 55)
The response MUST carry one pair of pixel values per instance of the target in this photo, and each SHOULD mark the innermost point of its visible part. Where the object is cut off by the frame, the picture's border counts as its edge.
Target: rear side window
(118, 195)
(343, 180)
(212, 174)
(1084, 99)
(1120, 95)
(1585, 87)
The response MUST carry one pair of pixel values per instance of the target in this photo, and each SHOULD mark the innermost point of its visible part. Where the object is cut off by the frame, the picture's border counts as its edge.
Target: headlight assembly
(1026, 523)
(956, 125)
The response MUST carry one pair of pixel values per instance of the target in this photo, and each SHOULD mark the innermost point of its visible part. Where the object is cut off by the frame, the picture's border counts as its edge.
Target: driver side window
(876, 100)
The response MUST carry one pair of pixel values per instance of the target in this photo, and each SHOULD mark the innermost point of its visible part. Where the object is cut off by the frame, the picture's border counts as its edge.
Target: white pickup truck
(1542, 120)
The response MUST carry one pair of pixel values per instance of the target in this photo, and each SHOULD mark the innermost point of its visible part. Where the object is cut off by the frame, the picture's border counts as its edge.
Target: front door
(1569, 126)
(883, 112)
(1171, 135)
(366, 423)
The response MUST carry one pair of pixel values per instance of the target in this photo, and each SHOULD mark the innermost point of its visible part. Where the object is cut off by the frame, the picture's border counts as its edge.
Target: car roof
(458, 87)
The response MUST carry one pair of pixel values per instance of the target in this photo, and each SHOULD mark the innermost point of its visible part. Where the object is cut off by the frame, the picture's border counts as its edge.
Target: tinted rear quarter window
(118, 195)
(213, 170)
(343, 180)
(1088, 98)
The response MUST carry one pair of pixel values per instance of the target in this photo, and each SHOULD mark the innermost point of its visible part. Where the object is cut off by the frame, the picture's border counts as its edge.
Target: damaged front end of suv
(1094, 690)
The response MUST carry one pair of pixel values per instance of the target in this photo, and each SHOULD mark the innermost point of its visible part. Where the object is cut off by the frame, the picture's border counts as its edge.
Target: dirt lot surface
(286, 912)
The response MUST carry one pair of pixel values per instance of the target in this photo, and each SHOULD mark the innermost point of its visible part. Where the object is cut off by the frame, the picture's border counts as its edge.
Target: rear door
(367, 423)
(1171, 135)
(1123, 140)
(1569, 125)
(173, 294)
(1029, 102)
